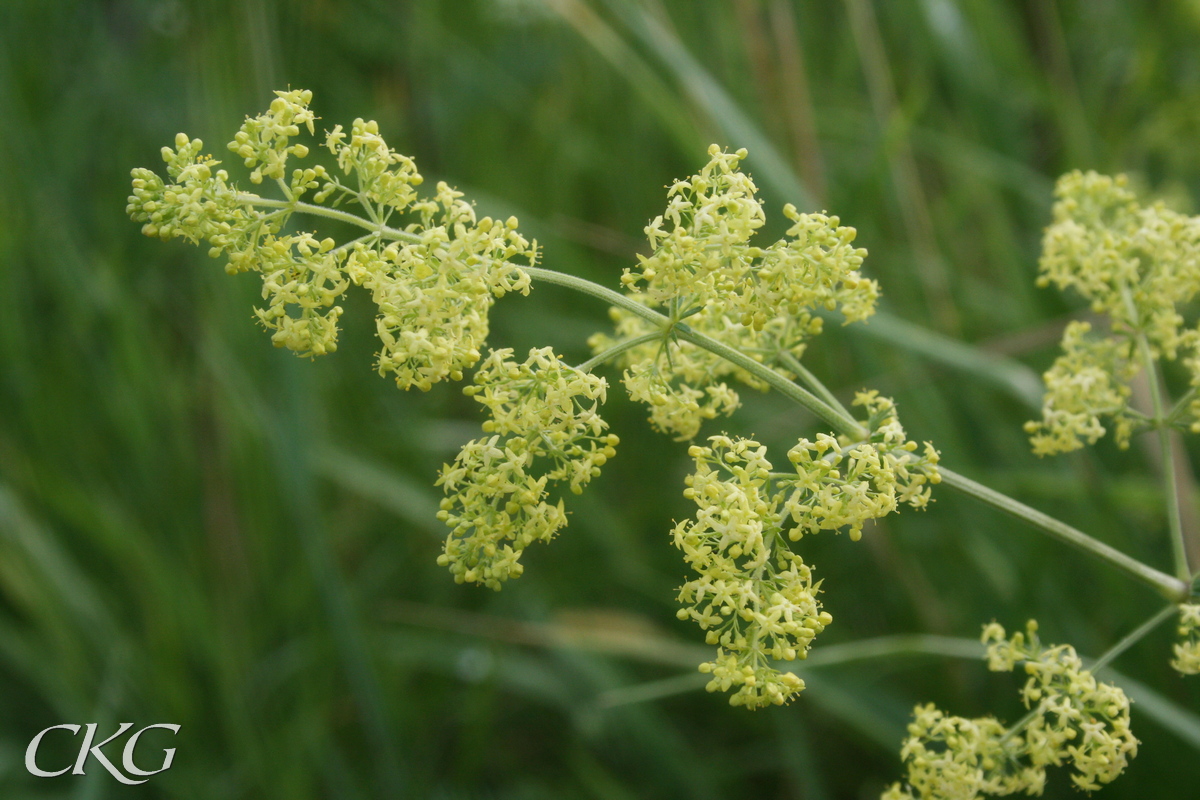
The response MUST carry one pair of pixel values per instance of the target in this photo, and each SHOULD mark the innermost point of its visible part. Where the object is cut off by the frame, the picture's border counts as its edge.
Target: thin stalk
(1181, 406)
(790, 361)
(1169, 587)
(841, 422)
(883, 647)
(617, 349)
(1017, 726)
(330, 213)
(1175, 524)
(681, 330)
(673, 686)
(659, 649)
(350, 244)
(1132, 638)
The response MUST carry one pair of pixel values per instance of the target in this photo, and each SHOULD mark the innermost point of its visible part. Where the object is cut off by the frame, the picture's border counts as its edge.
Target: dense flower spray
(1137, 266)
(1187, 651)
(433, 280)
(754, 596)
(760, 300)
(543, 412)
(434, 275)
(1073, 721)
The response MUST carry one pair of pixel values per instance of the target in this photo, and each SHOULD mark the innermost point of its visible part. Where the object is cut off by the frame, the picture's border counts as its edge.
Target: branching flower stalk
(708, 307)
(1170, 587)
(208, 208)
(1139, 266)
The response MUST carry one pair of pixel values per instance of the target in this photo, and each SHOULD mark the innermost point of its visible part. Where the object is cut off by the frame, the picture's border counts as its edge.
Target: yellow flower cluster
(542, 411)
(1187, 652)
(702, 253)
(434, 280)
(1089, 380)
(1080, 721)
(956, 758)
(434, 295)
(760, 300)
(198, 204)
(1137, 265)
(755, 597)
(681, 387)
(301, 274)
(262, 141)
(383, 176)
(841, 483)
(1075, 721)
(709, 221)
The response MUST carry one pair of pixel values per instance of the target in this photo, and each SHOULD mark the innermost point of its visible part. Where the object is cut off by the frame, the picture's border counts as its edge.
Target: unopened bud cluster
(1138, 266)
(754, 596)
(1077, 722)
(705, 273)
(543, 429)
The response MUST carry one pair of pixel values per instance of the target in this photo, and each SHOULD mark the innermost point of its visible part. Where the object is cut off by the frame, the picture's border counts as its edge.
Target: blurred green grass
(196, 528)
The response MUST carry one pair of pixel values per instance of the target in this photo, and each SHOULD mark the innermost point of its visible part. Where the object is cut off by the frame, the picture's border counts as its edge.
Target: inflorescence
(1187, 651)
(1074, 720)
(1137, 266)
(705, 273)
(754, 596)
(433, 281)
(543, 413)
(434, 269)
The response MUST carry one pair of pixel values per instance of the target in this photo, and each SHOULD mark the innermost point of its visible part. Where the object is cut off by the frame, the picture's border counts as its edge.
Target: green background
(198, 529)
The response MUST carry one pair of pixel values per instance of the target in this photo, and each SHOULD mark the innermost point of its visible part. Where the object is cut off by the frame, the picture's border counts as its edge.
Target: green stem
(658, 649)
(596, 290)
(1132, 638)
(882, 647)
(1181, 406)
(840, 422)
(1017, 726)
(330, 213)
(790, 361)
(617, 349)
(350, 244)
(1175, 524)
(683, 331)
(1170, 587)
